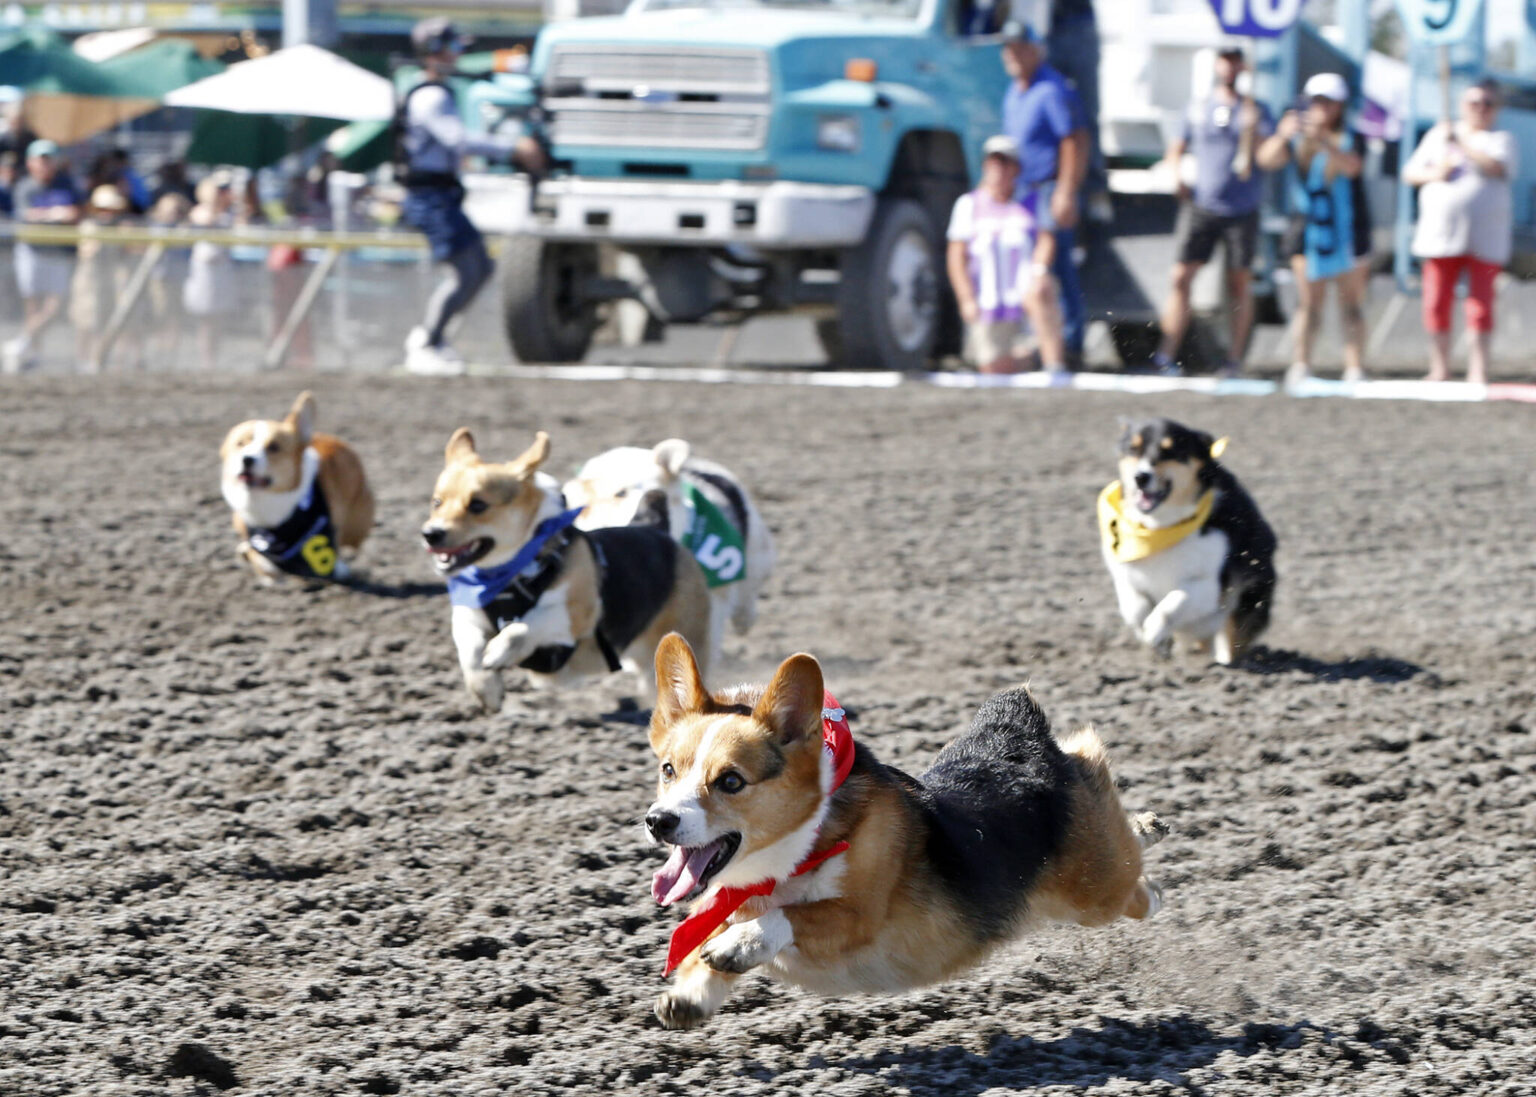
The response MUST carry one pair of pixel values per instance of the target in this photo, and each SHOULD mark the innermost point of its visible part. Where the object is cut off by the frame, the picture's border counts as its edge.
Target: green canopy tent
(252, 140)
(68, 98)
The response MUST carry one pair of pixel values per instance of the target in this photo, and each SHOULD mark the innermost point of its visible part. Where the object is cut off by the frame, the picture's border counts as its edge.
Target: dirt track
(259, 839)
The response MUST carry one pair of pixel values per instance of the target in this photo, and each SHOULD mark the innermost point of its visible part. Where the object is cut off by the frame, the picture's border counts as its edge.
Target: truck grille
(658, 97)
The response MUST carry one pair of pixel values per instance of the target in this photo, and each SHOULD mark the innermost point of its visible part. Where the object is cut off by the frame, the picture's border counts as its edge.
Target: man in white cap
(47, 196)
(431, 140)
(999, 263)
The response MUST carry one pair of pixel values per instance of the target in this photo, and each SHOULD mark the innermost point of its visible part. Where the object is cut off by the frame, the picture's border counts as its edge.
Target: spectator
(1044, 118)
(167, 279)
(101, 272)
(15, 136)
(130, 182)
(1329, 239)
(208, 292)
(1000, 266)
(7, 183)
(46, 196)
(1222, 131)
(1466, 223)
(172, 179)
(431, 140)
(1072, 49)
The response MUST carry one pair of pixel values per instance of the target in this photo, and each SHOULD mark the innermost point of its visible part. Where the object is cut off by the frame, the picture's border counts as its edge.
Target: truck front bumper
(771, 216)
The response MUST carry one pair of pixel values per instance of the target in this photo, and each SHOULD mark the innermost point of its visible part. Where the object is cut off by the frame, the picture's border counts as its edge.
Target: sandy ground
(258, 841)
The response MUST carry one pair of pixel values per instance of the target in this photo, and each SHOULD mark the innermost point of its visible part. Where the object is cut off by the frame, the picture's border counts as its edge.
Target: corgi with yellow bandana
(301, 503)
(1190, 554)
(814, 863)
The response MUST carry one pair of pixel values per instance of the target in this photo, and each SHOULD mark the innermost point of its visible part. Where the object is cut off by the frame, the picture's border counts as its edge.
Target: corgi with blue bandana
(301, 503)
(810, 861)
(701, 503)
(1190, 555)
(529, 589)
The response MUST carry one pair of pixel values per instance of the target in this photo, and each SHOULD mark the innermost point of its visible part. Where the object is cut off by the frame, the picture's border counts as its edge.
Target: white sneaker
(15, 354)
(1298, 373)
(416, 340)
(434, 362)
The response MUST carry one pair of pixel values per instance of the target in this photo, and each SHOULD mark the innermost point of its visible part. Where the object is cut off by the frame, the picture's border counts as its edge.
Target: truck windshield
(890, 9)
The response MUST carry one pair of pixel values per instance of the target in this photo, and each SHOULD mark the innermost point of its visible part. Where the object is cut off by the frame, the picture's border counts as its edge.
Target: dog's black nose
(248, 461)
(1144, 480)
(433, 535)
(662, 824)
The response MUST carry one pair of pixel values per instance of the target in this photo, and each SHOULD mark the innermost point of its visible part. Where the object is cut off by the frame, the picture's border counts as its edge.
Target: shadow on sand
(1161, 1049)
(395, 590)
(1376, 668)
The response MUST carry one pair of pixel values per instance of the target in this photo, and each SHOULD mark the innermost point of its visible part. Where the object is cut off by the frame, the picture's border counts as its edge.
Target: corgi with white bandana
(301, 503)
(816, 864)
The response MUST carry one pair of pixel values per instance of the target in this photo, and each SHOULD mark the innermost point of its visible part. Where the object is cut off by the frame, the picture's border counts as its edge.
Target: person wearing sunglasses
(1466, 223)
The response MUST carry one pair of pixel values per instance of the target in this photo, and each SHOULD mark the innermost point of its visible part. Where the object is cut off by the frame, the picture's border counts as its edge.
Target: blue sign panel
(1438, 22)
(1257, 18)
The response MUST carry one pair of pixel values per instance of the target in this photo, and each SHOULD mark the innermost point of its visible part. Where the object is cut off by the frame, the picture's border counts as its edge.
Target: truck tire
(546, 319)
(888, 295)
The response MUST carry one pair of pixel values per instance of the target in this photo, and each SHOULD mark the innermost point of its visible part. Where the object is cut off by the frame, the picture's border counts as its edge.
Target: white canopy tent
(304, 81)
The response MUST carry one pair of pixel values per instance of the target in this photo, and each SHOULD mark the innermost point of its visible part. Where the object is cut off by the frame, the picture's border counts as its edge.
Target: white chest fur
(267, 509)
(1196, 559)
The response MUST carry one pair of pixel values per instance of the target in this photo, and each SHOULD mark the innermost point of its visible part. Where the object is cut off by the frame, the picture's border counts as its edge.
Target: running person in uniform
(431, 141)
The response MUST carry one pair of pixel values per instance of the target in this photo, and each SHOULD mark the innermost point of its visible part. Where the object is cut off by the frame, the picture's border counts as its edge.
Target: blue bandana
(479, 587)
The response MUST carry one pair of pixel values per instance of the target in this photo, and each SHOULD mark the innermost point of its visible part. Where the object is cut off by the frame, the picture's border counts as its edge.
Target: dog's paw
(485, 688)
(746, 945)
(505, 647)
(676, 1011)
(1156, 634)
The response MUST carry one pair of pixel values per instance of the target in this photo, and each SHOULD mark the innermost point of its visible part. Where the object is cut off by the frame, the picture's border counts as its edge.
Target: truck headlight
(837, 132)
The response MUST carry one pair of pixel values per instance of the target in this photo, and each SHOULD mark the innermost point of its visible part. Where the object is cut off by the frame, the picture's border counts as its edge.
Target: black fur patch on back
(996, 805)
(636, 567)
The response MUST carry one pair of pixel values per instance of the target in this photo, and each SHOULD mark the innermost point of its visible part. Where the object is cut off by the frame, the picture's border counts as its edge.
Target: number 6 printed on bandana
(319, 554)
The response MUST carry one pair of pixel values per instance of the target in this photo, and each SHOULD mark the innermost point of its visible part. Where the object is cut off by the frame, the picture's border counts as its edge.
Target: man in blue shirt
(1042, 114)
(1223, 131)
(47, 196)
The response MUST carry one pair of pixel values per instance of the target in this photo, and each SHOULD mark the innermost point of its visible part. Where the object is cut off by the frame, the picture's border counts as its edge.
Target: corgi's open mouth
(451, 559)
(253, 480)
(689, 869)
(1148, 501)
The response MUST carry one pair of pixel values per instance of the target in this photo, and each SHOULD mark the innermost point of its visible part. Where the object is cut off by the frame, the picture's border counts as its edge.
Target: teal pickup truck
(730, 157)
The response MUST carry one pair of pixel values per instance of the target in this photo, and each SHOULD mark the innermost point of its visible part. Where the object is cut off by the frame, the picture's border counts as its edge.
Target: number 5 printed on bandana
(714, 541)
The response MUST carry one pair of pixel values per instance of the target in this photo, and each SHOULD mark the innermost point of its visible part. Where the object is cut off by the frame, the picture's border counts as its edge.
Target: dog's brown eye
(731, 781)
(621, 493)
(273, 447)
(667, 772)
(477, 506)
(436, 503)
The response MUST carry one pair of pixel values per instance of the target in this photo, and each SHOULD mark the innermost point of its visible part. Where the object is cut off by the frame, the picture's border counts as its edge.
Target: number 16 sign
(1257, 18)
(1438, 22)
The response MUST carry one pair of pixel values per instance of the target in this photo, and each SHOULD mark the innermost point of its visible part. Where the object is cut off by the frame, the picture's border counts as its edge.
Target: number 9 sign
(1257, 18)
(1438, 22)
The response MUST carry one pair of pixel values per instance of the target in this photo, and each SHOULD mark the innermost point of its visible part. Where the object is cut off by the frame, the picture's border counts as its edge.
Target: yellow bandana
(1128, 540)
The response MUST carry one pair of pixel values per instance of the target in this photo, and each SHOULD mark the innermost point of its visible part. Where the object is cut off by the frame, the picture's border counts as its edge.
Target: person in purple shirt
(1223, 131)
(1042, 114)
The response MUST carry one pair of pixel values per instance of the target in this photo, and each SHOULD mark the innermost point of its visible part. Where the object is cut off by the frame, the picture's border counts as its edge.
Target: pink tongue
(680, 875)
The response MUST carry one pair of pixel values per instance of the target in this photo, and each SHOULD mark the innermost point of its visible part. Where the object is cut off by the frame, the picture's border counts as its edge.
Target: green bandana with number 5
(715, 543)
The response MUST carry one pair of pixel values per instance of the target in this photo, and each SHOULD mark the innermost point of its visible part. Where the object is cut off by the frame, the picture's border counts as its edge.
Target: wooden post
(127, 300)
(278, 351)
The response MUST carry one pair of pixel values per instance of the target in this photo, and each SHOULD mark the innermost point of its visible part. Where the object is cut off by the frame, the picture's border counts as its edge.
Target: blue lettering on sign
(1439, 22)
(1257, 18)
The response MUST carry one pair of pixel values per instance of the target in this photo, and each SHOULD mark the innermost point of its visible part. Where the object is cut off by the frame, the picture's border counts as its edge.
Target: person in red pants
(1466, 221)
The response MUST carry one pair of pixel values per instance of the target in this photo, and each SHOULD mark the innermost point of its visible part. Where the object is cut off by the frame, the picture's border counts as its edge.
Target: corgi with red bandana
(815, 863)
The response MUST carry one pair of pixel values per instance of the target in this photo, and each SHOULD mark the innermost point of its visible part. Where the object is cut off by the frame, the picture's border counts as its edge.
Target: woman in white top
(1466, 223)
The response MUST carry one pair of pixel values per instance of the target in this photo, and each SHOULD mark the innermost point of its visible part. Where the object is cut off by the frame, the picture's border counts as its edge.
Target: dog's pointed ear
(302, 416)
(461, 448)
(680, 688)
(531, 458)
(670, 456)
(791, 705)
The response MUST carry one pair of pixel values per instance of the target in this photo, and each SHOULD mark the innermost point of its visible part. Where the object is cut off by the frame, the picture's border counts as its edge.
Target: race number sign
(1438, 22)
(714, 540)
(1257, 18)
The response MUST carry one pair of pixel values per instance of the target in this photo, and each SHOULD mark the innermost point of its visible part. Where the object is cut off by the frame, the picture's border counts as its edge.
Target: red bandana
(837, 740)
